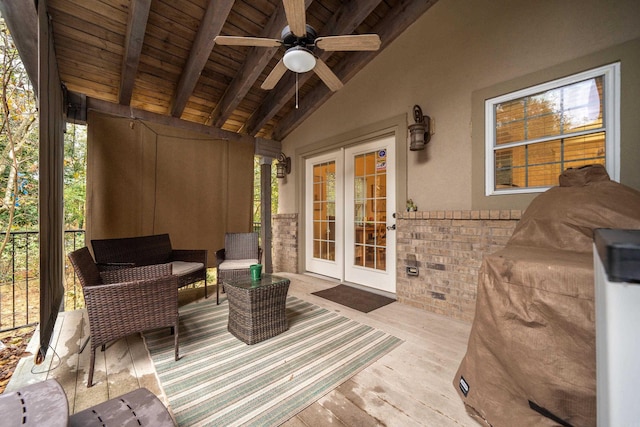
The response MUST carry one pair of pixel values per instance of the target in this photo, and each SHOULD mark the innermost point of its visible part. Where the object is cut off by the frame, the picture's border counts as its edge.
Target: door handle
(391, 227)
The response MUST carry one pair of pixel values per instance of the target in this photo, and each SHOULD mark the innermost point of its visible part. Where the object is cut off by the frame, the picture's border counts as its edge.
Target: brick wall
(447, 248)
(284, 236)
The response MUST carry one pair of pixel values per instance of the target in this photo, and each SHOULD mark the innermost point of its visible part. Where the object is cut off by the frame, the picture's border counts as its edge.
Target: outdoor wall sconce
(283, 167)
(419, 132)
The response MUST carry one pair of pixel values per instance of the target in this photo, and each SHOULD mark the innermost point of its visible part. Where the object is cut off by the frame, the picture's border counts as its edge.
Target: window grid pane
(324, 202)
(370, 216)
(540, 164)
(561, 112)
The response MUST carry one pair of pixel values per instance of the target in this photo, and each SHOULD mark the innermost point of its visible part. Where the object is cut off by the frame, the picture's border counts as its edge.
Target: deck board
(411, 385)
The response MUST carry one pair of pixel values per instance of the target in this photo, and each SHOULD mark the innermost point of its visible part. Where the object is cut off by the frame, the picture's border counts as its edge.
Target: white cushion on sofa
(180, 268)
(236, 264)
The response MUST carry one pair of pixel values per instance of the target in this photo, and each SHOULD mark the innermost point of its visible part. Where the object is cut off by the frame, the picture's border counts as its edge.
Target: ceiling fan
(300, 40)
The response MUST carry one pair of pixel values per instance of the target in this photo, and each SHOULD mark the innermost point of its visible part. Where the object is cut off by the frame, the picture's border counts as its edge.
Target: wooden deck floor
(412, 385)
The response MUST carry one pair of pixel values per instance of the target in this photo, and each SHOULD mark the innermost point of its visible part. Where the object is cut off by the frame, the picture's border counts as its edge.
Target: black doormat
(354, 298)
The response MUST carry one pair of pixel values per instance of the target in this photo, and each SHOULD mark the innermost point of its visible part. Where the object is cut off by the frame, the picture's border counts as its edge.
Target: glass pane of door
(370, 209)
(324, 218)
(324, 211)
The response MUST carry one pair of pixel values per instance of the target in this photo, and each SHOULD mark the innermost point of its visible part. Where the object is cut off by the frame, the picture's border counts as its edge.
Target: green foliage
(18, 140)
(19, 171)
(256, 190)
(19, 185)
(75, 167)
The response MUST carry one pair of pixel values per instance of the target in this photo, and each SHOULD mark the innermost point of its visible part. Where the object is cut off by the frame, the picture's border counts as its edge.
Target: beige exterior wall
(455, 56)
(461, 47)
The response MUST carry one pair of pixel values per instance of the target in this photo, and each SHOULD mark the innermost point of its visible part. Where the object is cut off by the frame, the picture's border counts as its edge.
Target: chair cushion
(180, 268)
(237, 264)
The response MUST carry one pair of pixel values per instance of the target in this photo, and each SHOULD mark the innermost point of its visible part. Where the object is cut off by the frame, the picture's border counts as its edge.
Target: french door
(350, 224)
(324, 206)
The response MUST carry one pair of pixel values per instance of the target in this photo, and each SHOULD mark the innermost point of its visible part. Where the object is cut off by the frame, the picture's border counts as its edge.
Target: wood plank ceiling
(159, 56)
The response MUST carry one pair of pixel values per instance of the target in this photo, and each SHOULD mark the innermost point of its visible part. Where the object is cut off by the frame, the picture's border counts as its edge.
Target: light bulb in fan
(299, 60)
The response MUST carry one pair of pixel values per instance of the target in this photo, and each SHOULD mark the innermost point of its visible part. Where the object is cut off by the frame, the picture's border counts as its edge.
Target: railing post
(26, 274)
(13, 279)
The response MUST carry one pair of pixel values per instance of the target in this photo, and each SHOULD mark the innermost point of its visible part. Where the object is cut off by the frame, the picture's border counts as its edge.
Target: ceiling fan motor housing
(308, 41)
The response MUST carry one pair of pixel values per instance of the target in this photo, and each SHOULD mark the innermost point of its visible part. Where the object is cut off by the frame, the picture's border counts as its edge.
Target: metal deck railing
(20, 278)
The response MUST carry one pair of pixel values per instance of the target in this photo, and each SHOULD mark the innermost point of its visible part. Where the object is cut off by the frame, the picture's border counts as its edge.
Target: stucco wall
(458, 48)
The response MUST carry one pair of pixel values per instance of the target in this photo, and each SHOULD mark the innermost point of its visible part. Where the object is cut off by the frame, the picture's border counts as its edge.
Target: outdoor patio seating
(125, 301)
(190, 265)
(240, 251)
(45, 403)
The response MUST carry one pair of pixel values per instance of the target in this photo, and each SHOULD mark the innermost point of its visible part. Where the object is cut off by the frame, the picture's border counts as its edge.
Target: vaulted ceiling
(159, 57)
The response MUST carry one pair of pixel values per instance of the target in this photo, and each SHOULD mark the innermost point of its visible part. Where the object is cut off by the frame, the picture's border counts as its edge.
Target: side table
(257, 308)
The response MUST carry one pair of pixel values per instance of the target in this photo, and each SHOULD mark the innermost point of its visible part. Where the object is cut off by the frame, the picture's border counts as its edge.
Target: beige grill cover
(533, 336)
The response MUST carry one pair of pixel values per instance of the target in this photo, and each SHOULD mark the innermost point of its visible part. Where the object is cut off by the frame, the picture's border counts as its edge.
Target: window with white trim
(534, 134)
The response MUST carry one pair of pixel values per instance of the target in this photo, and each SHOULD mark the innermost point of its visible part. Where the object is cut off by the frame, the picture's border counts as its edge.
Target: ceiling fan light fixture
(299, 60)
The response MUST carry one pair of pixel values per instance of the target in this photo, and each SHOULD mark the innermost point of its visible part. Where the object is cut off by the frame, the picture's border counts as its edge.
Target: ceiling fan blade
(352, 42)
(247, 41)
(295, 11)
(327, 76)
(274, 76)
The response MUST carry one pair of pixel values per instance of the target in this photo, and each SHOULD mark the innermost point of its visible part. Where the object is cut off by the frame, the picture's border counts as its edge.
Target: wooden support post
(265, 213)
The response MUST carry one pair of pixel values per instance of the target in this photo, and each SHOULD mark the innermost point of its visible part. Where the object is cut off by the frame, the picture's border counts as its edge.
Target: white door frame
(395, 127)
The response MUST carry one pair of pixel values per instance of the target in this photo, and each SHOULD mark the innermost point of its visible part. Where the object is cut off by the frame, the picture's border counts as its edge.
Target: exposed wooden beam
(389, 29)
(119, 110)
(136, 28)
(211, 25)
(344, 21)
(268, 148)
(22, 20)
(257, 59)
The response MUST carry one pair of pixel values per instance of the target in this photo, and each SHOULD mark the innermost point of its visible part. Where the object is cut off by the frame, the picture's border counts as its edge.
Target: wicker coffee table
(257, 308)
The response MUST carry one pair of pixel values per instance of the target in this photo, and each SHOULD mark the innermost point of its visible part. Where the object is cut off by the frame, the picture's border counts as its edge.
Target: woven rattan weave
(257, 308)
(238, 246)
(113, 254)
(125, 301)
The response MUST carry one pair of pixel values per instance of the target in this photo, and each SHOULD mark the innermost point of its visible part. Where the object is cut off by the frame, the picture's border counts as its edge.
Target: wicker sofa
(190, 265)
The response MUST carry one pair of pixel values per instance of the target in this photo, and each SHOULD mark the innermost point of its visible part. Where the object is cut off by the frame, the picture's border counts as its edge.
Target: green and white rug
(221, 381)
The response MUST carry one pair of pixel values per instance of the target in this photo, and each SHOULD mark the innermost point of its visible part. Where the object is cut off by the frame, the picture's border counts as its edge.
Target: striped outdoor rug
(221, 381)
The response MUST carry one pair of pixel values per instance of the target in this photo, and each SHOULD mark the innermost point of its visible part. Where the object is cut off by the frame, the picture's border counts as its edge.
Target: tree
(18, 141)
(256, 190)
(75, 177)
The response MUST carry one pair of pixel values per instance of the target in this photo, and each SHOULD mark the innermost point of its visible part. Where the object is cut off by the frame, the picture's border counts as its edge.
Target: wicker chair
(240, 251)
(125, 301)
